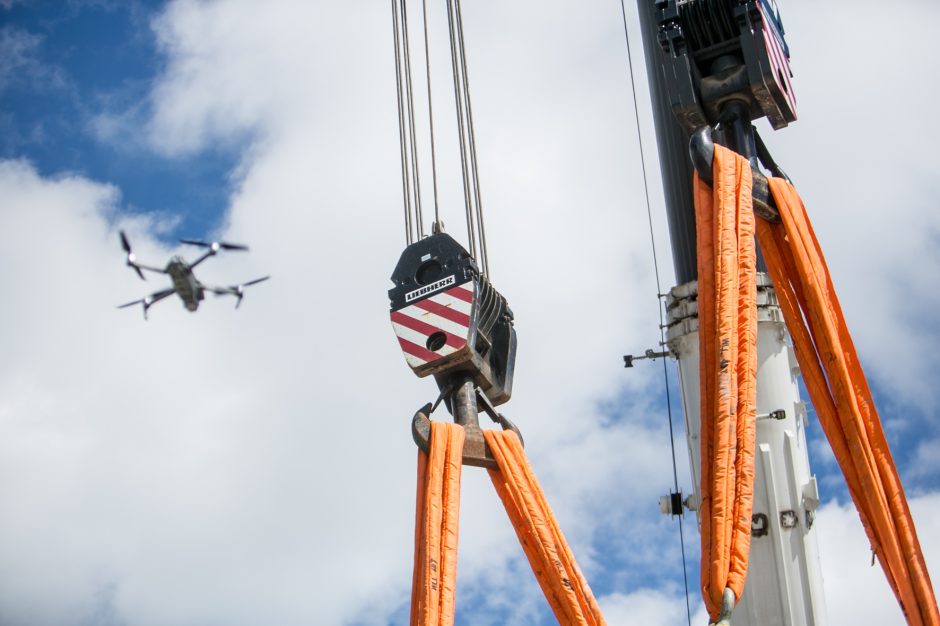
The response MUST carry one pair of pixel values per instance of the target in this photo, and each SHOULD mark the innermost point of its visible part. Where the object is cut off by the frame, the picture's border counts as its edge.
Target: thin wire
(427, 67)
(402, 136)
(484, 255)
(416, 173)
(659, 291)
(458, 101)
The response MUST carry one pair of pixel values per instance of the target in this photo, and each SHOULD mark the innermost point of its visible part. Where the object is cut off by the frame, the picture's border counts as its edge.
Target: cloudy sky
(256, 467)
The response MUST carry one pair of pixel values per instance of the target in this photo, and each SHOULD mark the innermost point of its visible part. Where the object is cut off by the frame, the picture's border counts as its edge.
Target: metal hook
(702, 153)
(462, 399)
(727, 608)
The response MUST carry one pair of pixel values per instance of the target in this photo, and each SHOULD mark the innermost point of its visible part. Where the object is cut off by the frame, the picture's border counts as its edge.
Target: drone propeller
(255, 281)
(145, 301)
(241, 288)
(214, 246)
(238, 290)
(131, 257)
(149, 300)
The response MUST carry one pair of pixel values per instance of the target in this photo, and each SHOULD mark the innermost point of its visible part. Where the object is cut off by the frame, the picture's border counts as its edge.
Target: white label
(423, 291)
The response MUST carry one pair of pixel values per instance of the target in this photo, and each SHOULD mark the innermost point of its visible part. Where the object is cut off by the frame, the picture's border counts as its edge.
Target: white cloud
(857, 593)
(926, 459)
(869, 190)
(20, 62)
(257, 467)
(649, 607)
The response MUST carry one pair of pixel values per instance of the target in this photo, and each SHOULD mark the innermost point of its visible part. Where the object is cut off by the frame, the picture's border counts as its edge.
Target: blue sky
(85, 60)
(175, 472)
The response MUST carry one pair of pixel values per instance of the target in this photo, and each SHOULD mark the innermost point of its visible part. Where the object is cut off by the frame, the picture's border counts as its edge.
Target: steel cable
(659, 291)
(402, 137)
(427, 67)
(461, 130)
(484, 255)
(411, 184)
(418, 216)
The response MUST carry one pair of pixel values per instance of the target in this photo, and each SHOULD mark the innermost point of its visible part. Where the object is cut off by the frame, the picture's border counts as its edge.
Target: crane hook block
(449, 319)
(718, 51)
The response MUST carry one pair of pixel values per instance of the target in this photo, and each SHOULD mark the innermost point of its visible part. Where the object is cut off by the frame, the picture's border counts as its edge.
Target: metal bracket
(628, 359)
(463, 399)
(788, 519)
(760, 525)
(673, 504)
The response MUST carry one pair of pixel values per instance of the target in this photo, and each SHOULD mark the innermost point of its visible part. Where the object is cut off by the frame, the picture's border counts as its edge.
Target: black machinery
(714, 66)
(725, 51)
(452, 324)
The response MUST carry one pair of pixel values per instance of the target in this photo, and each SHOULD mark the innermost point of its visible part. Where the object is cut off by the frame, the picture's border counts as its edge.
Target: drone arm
(205, 256)
(235, 290)
(150, 300)
(132, 263)
(160, 295)
(150, 268)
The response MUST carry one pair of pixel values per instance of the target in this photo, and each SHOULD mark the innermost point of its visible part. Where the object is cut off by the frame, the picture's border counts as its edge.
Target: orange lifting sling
(438, 503)
(727, 313)
(837, 388)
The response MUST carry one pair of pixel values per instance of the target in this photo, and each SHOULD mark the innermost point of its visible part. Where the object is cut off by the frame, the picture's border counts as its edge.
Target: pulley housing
(719, 51)
(449, 319)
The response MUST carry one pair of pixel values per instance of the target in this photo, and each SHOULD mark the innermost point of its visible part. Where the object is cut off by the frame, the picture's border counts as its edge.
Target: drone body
(185, 284)
(190, 290)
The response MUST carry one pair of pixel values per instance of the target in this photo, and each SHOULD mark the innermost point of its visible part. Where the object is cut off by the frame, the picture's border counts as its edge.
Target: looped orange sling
(438, 503)
(837, 388)
(727, 313)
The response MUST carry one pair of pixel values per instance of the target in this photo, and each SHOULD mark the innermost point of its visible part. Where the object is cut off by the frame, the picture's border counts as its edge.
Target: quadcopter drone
(185, 283)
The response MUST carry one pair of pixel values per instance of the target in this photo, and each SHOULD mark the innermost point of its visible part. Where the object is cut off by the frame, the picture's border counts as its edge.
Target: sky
(256, 466)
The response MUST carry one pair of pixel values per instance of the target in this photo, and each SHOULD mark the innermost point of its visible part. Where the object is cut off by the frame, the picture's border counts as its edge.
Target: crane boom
(736, 72)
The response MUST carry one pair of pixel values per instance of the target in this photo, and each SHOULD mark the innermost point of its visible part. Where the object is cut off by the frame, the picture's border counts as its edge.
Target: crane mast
(723, 63)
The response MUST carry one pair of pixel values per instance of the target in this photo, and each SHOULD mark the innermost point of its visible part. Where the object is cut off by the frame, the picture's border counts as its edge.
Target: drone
(185, 283)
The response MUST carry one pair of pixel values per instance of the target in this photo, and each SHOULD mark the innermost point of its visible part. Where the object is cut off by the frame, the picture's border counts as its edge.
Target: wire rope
(659, 294)
(461, 127)
(405, 188)
(484, 255)
(427, 67)
(411, 183)
(415, 168)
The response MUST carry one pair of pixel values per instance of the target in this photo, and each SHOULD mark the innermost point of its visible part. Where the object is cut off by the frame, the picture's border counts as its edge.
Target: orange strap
(542, 540)
(727, 313)
(435, 567)
(840, 394)
(436, 520)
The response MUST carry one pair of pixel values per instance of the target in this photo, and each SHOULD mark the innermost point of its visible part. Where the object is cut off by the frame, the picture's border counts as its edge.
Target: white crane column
(784, 581)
